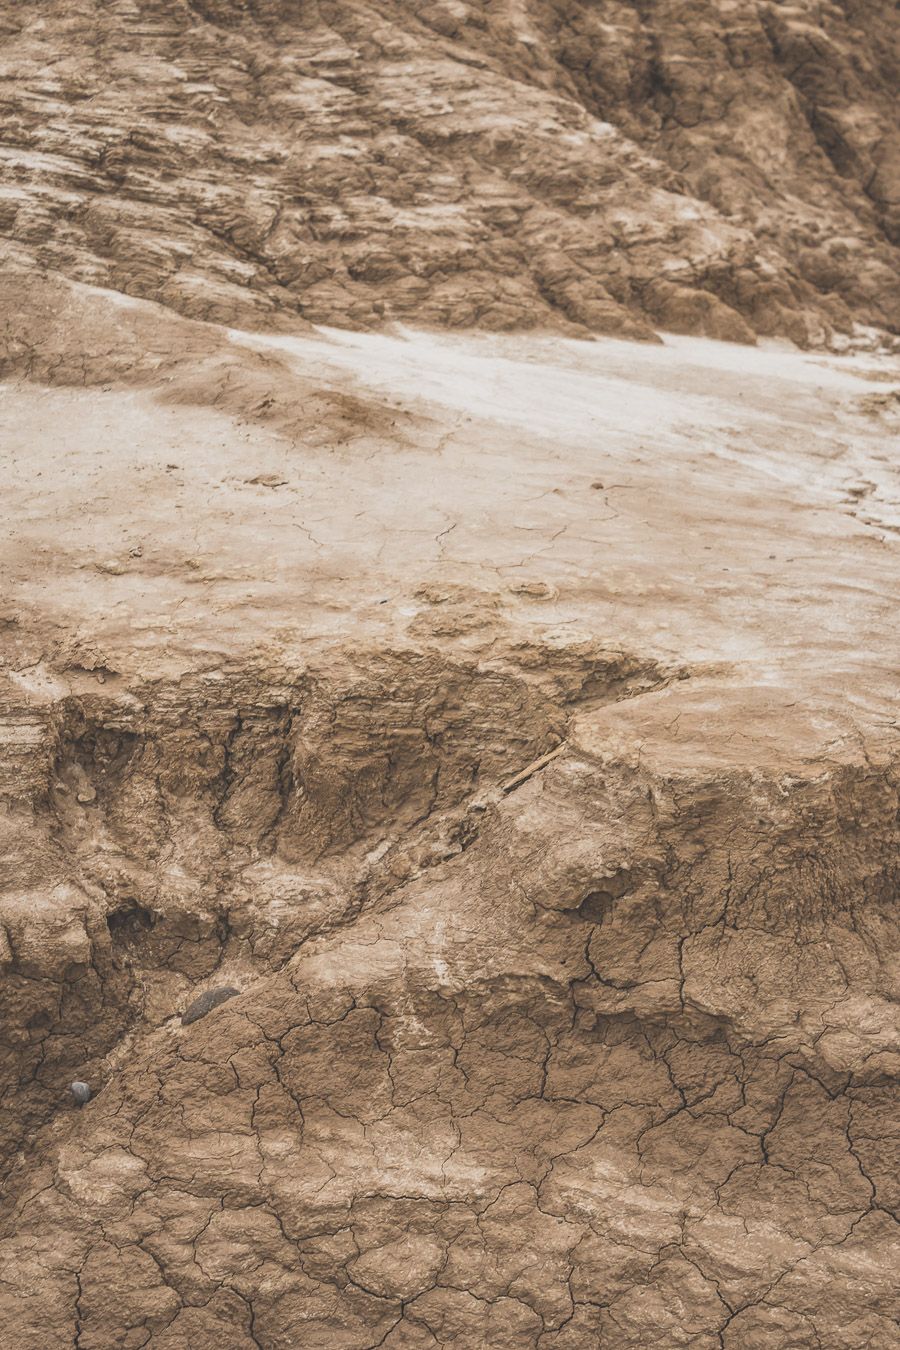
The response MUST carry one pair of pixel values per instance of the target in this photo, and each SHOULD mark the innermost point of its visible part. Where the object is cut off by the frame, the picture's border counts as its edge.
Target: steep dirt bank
(728, 169)
(167, 832)
(610, 1060)
(504, 730)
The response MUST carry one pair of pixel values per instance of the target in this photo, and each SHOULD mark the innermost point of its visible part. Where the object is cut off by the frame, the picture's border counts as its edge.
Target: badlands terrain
(449, 656)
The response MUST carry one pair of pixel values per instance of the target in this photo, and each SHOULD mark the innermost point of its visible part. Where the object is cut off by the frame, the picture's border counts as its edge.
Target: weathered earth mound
(606, 1059)
(728, 169)
(450, 795)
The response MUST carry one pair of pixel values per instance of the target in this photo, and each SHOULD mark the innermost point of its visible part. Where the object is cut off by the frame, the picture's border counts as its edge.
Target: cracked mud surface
(450, 800)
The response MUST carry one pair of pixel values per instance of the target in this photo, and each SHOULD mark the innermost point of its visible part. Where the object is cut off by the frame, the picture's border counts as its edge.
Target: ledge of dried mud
(552, 1017)
(459, 853)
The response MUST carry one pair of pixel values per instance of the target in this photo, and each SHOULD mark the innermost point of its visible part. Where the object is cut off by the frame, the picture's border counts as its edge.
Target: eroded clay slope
(450, 819)
(719, 168)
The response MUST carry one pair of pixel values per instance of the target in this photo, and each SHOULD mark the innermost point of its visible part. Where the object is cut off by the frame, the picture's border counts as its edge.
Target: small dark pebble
(206, 1002)
(81, 1092)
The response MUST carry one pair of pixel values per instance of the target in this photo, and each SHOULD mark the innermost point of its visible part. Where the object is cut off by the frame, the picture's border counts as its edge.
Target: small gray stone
(206, 1002)
(81, 1092)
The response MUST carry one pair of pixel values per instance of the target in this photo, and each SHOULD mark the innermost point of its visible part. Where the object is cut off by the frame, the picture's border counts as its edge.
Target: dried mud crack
(450, 823)
(605, 1058)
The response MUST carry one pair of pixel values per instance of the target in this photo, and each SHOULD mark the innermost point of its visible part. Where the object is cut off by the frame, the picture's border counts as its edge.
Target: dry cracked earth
(449, 756)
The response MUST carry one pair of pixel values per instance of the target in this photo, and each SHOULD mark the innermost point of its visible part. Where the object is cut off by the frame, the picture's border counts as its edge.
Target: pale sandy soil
(699, 501)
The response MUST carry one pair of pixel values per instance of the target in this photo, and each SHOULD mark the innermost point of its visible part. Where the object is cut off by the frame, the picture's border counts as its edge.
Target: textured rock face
(723, 168)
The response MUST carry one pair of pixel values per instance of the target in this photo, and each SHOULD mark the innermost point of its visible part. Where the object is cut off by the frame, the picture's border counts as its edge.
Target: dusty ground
(697, 501)
(512, 722)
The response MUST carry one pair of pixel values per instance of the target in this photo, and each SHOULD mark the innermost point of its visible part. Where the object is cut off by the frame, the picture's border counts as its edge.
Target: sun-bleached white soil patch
(695, 499)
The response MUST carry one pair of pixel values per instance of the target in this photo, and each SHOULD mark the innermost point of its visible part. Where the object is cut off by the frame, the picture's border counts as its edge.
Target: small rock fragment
(81, 1092)
(208, 1000)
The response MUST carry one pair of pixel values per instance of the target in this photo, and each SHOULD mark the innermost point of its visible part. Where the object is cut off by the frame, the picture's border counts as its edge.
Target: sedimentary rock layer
(719, 168)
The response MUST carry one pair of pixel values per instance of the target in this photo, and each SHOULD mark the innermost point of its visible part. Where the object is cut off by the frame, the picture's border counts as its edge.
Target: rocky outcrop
(728, 170)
